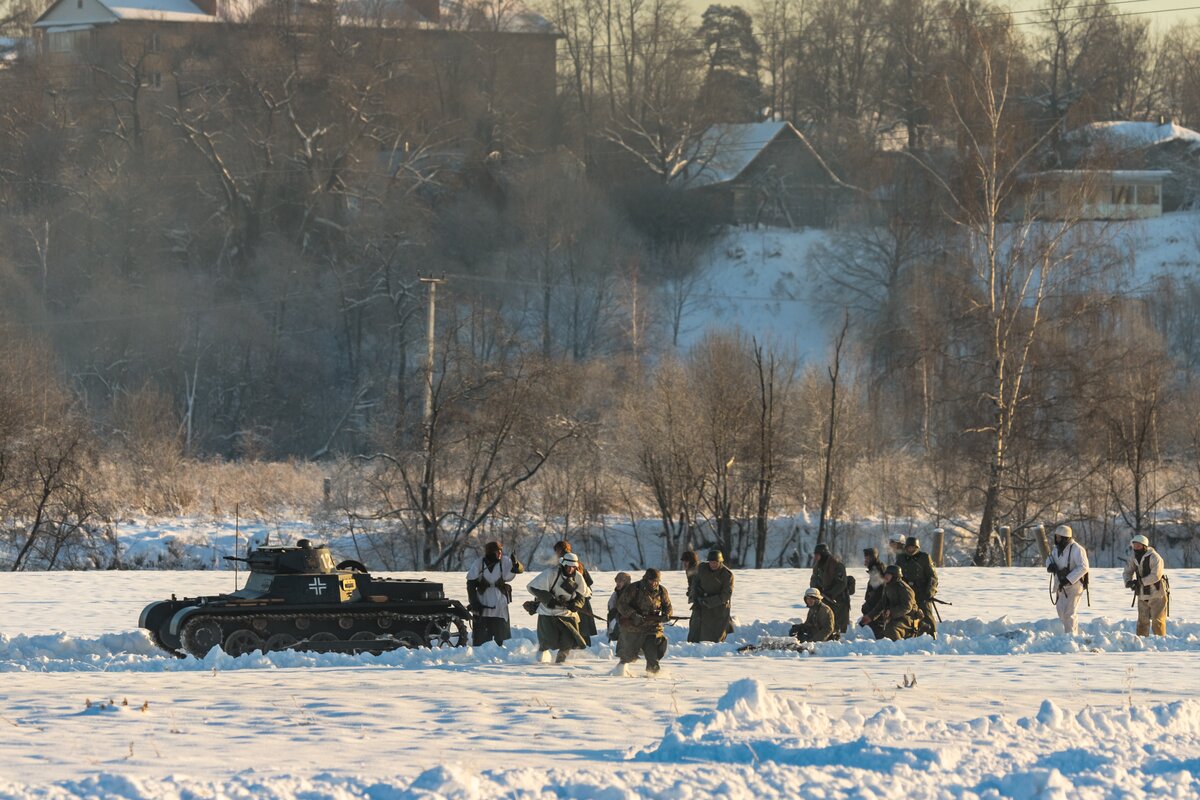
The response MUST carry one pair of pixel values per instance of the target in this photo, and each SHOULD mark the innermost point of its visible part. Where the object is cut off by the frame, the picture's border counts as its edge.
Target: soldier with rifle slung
(1151, 589)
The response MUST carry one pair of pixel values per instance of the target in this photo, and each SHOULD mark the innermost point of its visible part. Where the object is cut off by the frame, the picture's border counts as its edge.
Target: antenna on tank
(237, 521)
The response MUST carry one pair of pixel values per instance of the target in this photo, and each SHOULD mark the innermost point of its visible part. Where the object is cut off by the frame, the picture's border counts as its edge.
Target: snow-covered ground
(1003, 705)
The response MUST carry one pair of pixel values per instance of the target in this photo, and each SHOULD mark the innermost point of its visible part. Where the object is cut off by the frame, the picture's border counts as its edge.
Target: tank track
(322, 622)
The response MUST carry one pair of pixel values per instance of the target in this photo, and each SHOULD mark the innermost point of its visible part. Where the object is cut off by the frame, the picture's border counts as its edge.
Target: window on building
(1148, 195)
(67, 41)
(1122, 194)
(154, 81)
(79, 3)
(152, 44)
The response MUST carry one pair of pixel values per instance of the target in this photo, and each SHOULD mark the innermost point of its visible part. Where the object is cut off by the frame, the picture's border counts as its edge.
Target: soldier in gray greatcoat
(711, 595)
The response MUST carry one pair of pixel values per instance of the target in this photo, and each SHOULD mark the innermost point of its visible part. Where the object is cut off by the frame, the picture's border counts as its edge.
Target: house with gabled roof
(760, 173)
(1129, 147)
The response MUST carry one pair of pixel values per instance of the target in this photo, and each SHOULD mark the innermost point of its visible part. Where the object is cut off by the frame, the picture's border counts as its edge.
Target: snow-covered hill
(761, 281)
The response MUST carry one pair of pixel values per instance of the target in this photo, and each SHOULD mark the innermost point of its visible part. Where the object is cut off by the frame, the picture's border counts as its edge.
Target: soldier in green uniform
(711, 594)
(896, 608)
(922, 576)
(818, 626)
(642, 608)
(829, 575)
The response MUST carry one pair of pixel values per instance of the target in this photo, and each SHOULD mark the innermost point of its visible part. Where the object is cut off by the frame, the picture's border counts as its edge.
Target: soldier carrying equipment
(1151, 589)
(489, 593)
(922, 576)
(829, 575)
(643, 607)
(1068, 564)
(711, 594)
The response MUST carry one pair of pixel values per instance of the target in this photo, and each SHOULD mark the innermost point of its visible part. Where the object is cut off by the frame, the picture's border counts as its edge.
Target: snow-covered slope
(1001, 705)
(760, 280)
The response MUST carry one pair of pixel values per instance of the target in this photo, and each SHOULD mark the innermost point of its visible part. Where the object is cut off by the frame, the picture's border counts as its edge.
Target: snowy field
(1004, 705)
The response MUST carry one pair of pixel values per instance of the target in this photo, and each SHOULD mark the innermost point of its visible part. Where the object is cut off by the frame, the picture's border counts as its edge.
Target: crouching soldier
(643, 607)
(874, 589)
(896, 608)
(818, 626)
(489, 594)
(561, 595)
(1144, 575)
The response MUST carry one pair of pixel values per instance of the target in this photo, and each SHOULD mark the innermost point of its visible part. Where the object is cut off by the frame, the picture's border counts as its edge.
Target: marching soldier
(1144, 575)
(1068, 563)
(711, 595)
(621, 580)
(587, 617)
(818, 626)
(489, 593)
(643, 607)
(691, 563)
(922, 576)
(895, 609)
(829, 575)
(561, 595)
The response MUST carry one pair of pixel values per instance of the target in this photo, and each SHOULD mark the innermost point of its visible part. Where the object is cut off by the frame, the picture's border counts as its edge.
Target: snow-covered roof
(166, 10)
(724, 151)
(453, 15)
(1112, 174)
(1126, 135)
(109, 11)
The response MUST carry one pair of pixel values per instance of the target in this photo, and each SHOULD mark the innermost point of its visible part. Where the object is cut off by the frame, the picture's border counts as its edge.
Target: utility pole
(429, 520)
(432, 283)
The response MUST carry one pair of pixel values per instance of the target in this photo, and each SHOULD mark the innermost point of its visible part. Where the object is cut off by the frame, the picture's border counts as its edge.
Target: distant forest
(234, 274)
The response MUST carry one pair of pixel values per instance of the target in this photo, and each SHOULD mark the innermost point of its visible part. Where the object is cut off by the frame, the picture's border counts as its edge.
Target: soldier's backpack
(851, 586)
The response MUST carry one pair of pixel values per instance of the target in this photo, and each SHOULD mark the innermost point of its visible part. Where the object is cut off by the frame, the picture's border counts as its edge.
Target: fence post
(1043, 545)
(939, 541)
(1006, 535)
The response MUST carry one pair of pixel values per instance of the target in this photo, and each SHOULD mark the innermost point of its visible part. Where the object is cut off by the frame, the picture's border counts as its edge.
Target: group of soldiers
(899, 599)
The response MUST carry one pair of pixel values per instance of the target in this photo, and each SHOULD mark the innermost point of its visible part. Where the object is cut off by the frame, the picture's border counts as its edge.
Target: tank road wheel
(280, 641)
(321, 636)
(409, 639)
(199, 636)
(243, 641)
(446, 632)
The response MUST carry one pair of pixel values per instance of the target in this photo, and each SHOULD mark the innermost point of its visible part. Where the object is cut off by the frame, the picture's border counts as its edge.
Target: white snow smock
(552, 581)
(494, 601)
(1073, 558)
(1147, 570)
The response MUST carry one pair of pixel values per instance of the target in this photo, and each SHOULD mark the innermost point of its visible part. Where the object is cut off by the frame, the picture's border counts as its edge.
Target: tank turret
(296, 598)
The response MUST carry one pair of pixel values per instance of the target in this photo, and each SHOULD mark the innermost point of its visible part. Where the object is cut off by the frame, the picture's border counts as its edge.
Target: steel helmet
(812, 592)
(1064, 531)
(1140, 539)
(569, 560)
(895, 571)
(897, 538)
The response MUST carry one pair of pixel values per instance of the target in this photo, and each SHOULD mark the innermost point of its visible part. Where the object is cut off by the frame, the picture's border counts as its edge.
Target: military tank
(297, 599)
